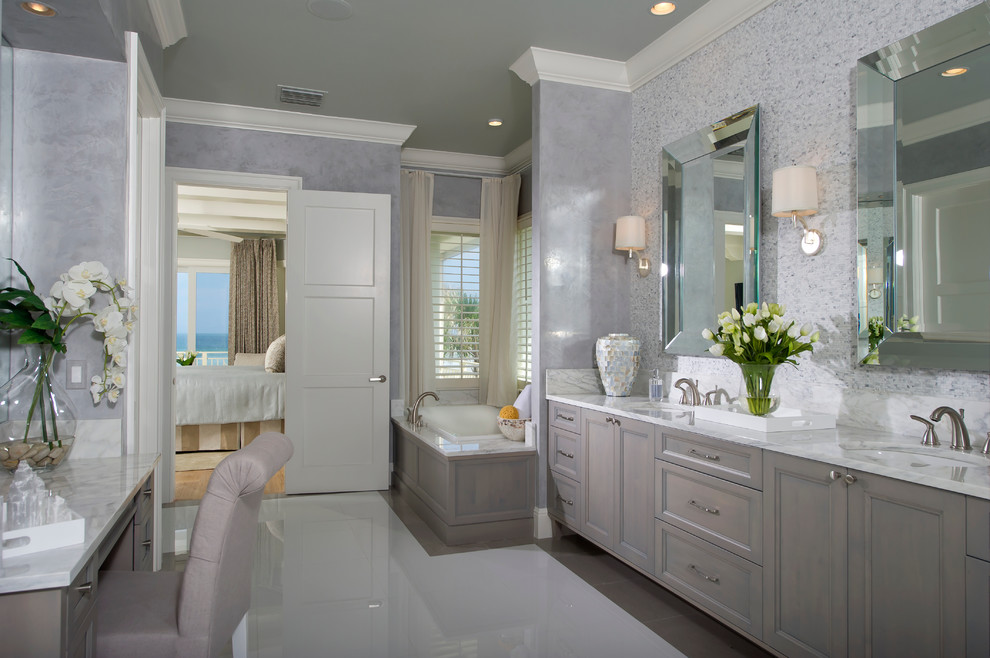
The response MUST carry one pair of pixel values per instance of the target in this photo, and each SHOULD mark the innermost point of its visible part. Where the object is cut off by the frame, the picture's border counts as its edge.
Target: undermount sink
(655, 408)
(917, 457)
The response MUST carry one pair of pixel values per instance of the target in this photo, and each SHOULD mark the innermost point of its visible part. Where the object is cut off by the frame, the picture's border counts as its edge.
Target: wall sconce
(795, 195)
(630, 235)
(874, 279)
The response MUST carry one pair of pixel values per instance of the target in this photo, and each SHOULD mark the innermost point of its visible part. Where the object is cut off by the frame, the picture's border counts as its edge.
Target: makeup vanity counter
(48, 596)
(813, 543)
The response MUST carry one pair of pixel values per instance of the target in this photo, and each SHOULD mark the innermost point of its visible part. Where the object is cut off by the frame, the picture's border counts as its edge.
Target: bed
(225, 407)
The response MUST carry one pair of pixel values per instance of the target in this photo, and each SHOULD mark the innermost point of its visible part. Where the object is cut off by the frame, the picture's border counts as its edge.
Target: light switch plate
(75, 374)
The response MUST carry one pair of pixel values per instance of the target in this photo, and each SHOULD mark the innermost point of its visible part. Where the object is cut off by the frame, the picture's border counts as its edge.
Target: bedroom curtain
(499, 212)
(416, 213)
(253, 322)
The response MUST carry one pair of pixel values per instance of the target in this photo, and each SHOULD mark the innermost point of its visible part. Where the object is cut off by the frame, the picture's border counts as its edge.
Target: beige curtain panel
(253, 297)
(416, 213)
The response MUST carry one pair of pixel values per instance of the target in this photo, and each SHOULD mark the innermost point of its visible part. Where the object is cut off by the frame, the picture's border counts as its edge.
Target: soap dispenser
(656, 387)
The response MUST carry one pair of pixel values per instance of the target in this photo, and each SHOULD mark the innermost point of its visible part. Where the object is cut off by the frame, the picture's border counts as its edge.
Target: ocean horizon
(204, 342)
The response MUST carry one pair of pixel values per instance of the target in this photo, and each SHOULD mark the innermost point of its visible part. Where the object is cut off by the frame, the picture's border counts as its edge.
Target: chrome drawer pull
(569, 419)
(609, 419)
(565, 501)
(617, 422)
(85, 588)
(713, 458)
(702, 507)
(835, 475)
(569, 455)
(703, 574)
(146, 543)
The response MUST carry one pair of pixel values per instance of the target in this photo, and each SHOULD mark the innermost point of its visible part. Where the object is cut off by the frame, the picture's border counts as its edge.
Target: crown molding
(281, 121)
(169, 20)
(710, 21)
(542, 64)
(517, 160)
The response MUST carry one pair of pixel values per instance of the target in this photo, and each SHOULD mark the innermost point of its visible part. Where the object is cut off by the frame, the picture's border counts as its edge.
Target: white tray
(781, 420)
(44, 537)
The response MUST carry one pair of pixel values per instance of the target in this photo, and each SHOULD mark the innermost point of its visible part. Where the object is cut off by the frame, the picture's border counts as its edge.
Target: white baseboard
(542, 525)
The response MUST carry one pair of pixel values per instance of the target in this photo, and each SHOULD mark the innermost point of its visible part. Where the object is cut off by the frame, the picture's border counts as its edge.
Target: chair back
(216, 586)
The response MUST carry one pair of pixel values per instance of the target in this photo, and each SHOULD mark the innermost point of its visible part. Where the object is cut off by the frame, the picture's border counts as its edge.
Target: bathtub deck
(470, 491)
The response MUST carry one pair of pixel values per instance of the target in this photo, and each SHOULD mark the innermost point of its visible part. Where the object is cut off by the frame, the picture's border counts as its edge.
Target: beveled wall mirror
(711, 210)
(923, 122)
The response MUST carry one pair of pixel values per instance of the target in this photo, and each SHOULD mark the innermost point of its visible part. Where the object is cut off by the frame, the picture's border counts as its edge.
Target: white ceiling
(441, 65)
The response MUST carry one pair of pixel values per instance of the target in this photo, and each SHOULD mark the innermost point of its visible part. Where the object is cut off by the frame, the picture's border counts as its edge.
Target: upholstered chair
(195, 613)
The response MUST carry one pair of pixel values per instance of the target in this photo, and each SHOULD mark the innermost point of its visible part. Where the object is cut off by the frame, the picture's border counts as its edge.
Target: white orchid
(114, 344)
(77, 292)
(92, 270)
(108, 319)
(117, 377)
(113, 394)
(119, 359)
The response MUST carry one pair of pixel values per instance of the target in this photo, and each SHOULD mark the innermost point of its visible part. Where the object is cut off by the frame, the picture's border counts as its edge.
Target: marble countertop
(891, 455)
(464, 449)
(96, 489)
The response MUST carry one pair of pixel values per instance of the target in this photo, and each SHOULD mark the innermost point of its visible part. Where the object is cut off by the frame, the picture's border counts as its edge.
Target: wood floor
(193, 471)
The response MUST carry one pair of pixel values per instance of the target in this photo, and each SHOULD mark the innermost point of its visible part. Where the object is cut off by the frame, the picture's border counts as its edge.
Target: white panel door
(337, 341)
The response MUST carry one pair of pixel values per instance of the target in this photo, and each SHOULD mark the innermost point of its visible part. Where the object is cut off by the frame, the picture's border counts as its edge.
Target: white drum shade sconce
(795, 195)
(630, 235)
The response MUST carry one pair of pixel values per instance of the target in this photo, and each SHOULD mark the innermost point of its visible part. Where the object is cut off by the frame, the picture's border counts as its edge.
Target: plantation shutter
(455, 275)
(522, 284)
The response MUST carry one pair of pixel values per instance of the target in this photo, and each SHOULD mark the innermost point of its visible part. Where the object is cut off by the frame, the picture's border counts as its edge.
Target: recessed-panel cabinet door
(634, 499)
(598, 509)
(907, 569)
(804, 557)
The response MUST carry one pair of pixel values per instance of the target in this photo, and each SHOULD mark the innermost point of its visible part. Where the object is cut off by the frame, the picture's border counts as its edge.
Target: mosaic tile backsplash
(797, 60)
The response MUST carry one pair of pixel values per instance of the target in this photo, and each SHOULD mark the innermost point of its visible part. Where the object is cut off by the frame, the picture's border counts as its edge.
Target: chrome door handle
(703, 574)
(609, 420)
(569, 455)
(146, 543)
(849, 478)
(565, 501)
(85, 588)
(713, 458)
(710, 510)
(379, 379)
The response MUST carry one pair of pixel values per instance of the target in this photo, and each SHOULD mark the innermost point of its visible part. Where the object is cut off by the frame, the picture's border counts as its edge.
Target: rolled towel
(523, 404)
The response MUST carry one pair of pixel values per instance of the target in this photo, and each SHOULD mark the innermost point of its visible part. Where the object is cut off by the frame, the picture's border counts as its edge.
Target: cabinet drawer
(564, 500)
(565, 417)
(565, 453)
(144, 545)
(145, 501)
(735, 463)
(80, 596)
(978, 528)
(726, 514)
(722, 583)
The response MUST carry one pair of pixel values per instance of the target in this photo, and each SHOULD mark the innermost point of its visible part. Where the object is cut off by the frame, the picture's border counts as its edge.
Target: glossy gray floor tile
(343, 575)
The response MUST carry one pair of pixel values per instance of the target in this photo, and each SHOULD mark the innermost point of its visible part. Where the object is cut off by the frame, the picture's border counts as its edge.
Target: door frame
(175, 176)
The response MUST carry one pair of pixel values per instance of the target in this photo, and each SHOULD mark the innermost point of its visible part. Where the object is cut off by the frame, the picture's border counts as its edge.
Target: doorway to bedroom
(229, 310)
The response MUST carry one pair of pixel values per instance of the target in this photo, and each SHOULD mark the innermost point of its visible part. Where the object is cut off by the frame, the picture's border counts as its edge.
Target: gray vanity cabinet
(617, 483)
(977, 578)
(860, 564)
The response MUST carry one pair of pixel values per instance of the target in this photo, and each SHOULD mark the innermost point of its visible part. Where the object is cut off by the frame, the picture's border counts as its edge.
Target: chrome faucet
(960, 435)
(713, 397)
(414, 417)
(689, 395)
(986, 446)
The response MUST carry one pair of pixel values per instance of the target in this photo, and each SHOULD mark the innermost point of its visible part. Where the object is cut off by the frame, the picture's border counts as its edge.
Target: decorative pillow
(275, 358)
(249, 359)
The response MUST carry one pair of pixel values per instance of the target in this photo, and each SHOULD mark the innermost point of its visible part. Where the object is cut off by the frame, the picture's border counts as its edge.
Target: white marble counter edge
(11, 584)
(796, 443)
(434, 441)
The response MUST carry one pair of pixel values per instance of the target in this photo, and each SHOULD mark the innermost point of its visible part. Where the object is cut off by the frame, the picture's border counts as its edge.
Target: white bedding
(228, 394)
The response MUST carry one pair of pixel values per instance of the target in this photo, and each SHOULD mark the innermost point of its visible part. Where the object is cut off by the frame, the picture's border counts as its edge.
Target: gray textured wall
(337, 165)
(69, 186)
(581, 183)
(456, 196)
(797, 59)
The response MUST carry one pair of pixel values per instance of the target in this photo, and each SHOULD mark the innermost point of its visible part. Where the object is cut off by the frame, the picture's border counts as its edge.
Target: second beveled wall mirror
(711, 209)
(924, 191)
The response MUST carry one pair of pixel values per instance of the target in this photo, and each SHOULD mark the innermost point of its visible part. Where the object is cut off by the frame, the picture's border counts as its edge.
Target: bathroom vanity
(47, 599)
(812, 543)
(470, 491)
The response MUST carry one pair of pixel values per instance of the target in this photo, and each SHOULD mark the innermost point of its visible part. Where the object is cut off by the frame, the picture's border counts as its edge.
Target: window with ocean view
(201, 313)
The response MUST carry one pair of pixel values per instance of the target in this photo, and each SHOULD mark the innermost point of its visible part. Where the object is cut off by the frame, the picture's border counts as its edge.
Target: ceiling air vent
(300, 96)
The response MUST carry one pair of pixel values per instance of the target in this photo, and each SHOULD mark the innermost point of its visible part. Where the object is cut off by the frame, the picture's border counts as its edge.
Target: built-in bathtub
(463, 422)
(467, 481)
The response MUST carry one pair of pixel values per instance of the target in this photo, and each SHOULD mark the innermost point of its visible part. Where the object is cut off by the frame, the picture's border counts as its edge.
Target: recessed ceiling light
(951, 73)
(331, 10)
(37, 8)
(494, 122)
(662, 8)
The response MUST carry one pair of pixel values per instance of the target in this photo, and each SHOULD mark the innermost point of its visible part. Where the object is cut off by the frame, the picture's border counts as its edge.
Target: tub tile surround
(797, 60)
(881, 453)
